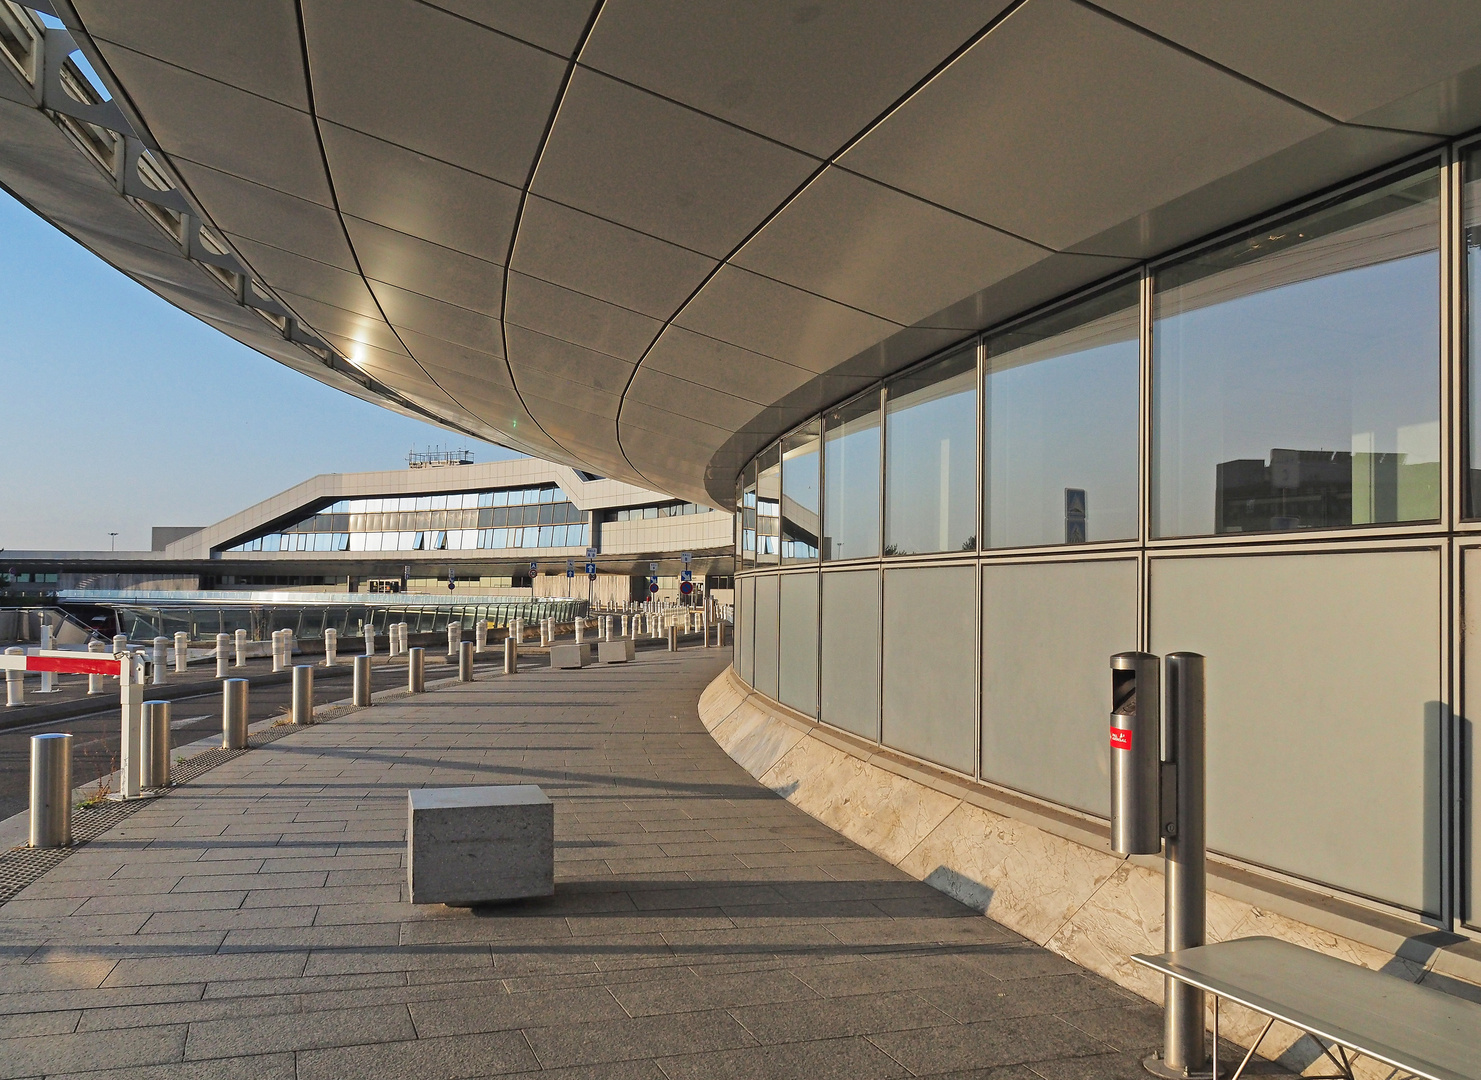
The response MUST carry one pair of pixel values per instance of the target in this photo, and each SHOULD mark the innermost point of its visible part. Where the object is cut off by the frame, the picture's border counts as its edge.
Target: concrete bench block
(617, 651)
(472, 845)
(569, 654)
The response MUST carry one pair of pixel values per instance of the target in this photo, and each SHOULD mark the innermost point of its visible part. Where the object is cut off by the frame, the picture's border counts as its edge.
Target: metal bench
(1425, 1032)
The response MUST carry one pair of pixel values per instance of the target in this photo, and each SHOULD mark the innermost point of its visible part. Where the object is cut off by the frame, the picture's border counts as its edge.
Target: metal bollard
(511, 656)
(182, 652)
(161, 647)
(480, 635)
(362, 681)
(580, 625)
(234, 714)
(15, 681)
(241, 648)
(48, 678)
(51, 791)
(465, 661)
(673, 637)
(704, 624)
(223, 655)
(290, 647)
(95, 683)
(155, 748)
(303, 694)
(120, 643)
(331, 646)
(416, 669)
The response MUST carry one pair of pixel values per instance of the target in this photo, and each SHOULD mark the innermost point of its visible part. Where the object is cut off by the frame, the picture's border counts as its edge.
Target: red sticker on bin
(1121, 738)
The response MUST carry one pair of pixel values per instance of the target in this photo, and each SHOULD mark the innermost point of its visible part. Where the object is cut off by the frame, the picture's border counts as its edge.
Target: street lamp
(111, 537)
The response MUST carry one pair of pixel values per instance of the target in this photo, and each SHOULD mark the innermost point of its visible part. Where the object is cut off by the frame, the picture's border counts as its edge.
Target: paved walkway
(253, 923)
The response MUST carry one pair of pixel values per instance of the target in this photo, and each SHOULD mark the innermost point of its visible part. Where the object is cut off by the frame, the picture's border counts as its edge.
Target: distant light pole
(111, 538)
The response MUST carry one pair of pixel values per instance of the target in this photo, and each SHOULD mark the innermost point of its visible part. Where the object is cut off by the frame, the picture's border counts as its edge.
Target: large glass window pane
(1296, 373)
(800, 494)
(931, 458)
(851, 480)
(1062, 404)
(1472, 174)
(768, 506)
(748, 516)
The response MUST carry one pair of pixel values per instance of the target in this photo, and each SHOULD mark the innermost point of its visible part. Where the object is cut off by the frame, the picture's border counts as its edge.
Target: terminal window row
(638, 513)
(1295, 374)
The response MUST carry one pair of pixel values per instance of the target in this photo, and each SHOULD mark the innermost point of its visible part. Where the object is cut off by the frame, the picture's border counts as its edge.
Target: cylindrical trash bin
(511, 656)
(416, 669)
(465, 661)
(241, 648)
(303, 694)
(362, 681)
(51, 790)
(156, 745)
(234, 714)
(95, 683)
(161, 656)
(331, 646)
(182, 652)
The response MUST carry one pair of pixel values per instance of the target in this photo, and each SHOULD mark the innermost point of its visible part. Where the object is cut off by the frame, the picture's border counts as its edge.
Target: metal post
(362, 681)
(416, 669)
(511, 657)
(673, 637)
(95, 682)
(1185, 1048)
(465, 661)
(182, 652)
(234, 714)
(48, 678)
(704, 623)
(303, 694)
(161, 649)
(131, 764)
(241, 648)
(154, 748)
(331, 646)
(15, 681)
(51, 791)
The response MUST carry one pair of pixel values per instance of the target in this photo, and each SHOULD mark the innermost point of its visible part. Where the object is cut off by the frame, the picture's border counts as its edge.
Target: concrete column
(223, 655)
(241, 648)
(480, 634)
(580, 627)
(182, 652)
(362, 681)
(544, 633)
(161, 653)
(454, 635)
(120, 643)
(95, 683)
(465, 661)
(331, 646)
(369, 632)
(277, 643)
(234, 714)
(416, 670)
(303, 694)
(51, 791)
(15, 681)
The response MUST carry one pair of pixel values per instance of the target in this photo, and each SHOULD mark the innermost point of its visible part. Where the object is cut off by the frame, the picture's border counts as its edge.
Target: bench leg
(1253, 1047)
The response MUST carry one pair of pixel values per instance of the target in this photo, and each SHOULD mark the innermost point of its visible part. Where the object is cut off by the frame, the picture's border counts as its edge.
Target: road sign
(688, 555)
(534, 569)
(686, 587)
(591, 569)
(591, 553)
(570, 571)
(452, 579)
(687, 575)
(653, 569)
(653, 587)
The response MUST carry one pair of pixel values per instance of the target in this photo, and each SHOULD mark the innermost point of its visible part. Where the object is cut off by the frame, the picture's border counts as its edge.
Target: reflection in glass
(1471, 170)
(1062, 404)
(800, 460)
(851, 480)
(1296, 371)
(768, 506)
(931, 458)
(748, 515)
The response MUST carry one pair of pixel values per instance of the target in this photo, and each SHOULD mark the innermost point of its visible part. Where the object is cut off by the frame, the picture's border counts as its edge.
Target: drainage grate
(22, 866)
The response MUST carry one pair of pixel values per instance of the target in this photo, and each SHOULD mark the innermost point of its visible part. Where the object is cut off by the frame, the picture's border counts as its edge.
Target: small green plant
(103, 789)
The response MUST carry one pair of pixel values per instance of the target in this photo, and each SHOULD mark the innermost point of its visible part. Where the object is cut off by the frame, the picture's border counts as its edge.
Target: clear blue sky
(119, 411)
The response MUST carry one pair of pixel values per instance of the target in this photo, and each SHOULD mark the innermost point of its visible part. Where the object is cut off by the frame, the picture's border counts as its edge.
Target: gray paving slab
(255, 923)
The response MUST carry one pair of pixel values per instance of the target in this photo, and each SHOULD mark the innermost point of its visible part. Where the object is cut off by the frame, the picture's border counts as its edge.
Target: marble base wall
(1049, 876)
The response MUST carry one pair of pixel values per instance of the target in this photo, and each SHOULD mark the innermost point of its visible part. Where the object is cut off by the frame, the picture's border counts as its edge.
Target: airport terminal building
(1013, 335)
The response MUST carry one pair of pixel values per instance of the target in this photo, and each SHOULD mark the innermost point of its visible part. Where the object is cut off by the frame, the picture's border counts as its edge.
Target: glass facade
(801, 505)
(644, 513)
(851, 441)
(930, 475)
(1061, 400)
(1296, 371)
(538, 517)
(1265, 448)
(769, 507)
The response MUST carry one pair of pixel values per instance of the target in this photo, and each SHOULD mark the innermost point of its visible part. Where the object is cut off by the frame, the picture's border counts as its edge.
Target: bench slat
(1432, 1034)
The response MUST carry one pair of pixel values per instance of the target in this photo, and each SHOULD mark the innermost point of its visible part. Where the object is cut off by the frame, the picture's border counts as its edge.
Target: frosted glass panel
(930, 669)
(798, 680)
(850, 652)
(766, 635)
(745, 629)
